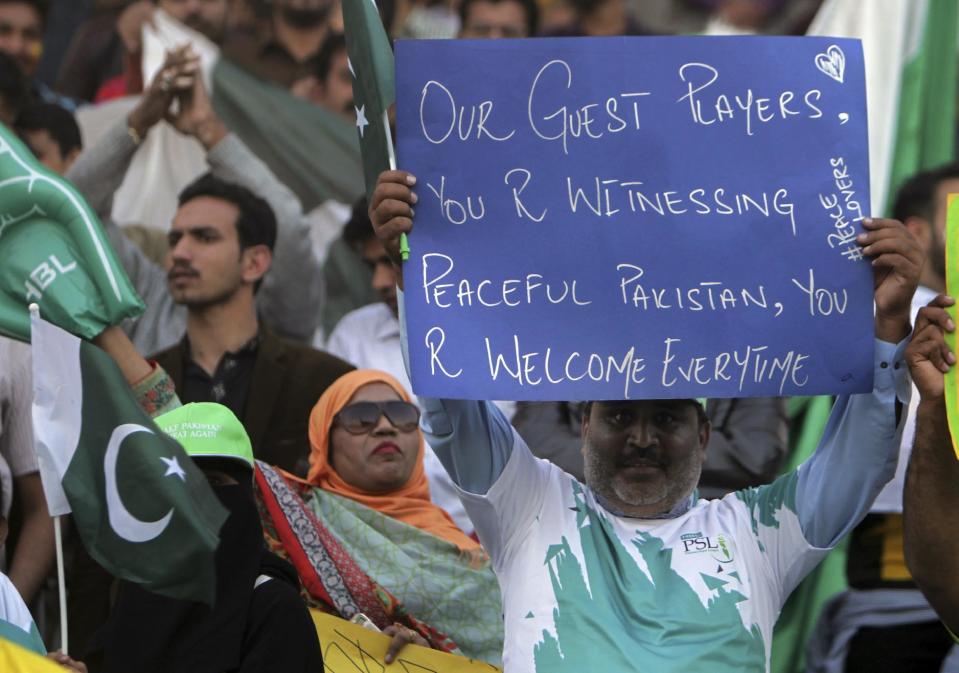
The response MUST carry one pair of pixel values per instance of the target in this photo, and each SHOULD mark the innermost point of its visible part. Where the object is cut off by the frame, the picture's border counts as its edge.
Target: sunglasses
(360, 418)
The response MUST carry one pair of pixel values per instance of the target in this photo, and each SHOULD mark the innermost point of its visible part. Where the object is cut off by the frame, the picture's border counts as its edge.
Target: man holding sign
(626, 571)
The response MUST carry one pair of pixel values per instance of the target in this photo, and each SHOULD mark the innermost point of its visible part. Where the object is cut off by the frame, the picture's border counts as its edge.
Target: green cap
(208, 430)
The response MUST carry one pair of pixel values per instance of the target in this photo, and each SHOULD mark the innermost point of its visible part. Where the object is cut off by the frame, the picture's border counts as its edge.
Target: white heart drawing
(832, 63)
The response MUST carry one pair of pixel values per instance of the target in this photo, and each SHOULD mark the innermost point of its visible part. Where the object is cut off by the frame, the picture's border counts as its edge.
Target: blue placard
(613, 218)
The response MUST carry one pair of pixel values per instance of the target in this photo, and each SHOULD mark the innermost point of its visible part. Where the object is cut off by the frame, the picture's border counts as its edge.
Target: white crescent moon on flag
(123, 523)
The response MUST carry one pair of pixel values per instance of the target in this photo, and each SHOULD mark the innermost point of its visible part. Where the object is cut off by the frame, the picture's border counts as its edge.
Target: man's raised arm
(860, 444)
(99, 171)
(832, 491)
(931, 496)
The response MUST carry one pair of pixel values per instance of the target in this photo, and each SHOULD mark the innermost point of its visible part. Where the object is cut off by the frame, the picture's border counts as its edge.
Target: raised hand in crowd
(897, 262)
(177, 95)
(176, 76)
(195, 115)
(931, 495)
(391, 211)
(928, 356)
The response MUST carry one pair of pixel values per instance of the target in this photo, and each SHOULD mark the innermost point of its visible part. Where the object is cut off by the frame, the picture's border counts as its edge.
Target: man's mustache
(181, 270)
(640, 457)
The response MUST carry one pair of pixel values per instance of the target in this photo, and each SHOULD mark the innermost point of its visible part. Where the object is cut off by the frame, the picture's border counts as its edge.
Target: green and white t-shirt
(586, 590)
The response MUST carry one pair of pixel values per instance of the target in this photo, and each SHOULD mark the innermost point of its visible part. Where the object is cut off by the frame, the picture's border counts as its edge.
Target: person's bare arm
(151, 385)
(117, 345)
(33, 556)
(931, 496)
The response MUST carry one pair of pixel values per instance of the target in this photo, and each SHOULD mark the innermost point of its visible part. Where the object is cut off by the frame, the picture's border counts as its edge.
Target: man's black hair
(256, 223)
(14, 88)
(917, 195)
(42, 7)
(56, 121)
(332, 45)
(532, 12)
(359, 229)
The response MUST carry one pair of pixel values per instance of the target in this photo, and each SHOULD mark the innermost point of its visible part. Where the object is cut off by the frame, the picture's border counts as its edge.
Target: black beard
(304, 18)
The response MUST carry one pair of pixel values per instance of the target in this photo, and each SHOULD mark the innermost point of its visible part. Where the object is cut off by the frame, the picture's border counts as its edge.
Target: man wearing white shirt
(628, 571)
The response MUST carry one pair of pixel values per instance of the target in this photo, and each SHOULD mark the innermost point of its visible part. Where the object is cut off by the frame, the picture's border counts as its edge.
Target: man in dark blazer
(221, 242)
(285, 382)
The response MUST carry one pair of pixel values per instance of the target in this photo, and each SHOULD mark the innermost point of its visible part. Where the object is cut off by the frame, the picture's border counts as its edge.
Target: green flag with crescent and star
(371, 62)
(144, 511)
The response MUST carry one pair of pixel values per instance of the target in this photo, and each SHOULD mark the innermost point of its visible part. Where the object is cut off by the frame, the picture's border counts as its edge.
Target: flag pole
(404, 241)
(61, 585)
(57, 532)
(389, 143)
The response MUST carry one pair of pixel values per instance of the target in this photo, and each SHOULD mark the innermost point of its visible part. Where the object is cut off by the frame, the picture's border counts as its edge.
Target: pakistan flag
(143, 510)
(371, 62)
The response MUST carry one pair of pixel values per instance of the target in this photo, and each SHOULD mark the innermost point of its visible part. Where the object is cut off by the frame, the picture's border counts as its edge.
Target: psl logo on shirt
(716, 546)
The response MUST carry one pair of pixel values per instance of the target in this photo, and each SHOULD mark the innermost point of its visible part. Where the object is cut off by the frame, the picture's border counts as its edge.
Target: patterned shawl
(351, 558)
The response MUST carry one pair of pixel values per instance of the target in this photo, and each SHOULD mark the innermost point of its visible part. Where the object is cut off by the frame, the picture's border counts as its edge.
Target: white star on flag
(361, 122)
(173, 467)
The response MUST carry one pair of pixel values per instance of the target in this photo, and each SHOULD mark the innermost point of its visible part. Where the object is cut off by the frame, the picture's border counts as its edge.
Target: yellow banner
(952, 289)
(15, 659)
(350, 648)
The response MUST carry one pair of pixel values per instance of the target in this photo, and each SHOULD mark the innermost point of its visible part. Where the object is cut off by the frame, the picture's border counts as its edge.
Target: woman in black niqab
(258, 622)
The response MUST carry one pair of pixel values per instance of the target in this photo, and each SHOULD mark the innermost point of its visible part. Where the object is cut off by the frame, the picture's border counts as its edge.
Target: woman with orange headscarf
(365, 536)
